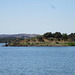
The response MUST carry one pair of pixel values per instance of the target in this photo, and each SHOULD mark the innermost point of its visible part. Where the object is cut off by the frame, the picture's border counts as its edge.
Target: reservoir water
(37, 60)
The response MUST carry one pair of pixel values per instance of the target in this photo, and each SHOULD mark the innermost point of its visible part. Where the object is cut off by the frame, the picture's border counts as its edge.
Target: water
(37, 60)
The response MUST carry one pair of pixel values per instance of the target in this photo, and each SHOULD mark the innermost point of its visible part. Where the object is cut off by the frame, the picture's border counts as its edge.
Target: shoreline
(58, 45)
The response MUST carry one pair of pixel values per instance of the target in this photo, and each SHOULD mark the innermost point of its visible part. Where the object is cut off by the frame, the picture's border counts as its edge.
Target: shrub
(71, 44)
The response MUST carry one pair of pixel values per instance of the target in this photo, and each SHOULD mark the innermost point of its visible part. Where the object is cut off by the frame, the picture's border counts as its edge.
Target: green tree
(65, 36)
(72, 36)
(40, 38)
(57, 35)
(48, 35)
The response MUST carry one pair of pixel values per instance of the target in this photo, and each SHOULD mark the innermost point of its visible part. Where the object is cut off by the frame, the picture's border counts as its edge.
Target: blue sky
(37, 16)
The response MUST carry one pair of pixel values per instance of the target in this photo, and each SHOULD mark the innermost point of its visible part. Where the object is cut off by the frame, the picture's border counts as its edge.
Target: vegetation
(10, 39)
(71, 44)
(48, 39)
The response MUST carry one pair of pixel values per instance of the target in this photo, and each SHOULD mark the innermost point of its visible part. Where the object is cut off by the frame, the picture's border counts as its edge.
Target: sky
(37, 16)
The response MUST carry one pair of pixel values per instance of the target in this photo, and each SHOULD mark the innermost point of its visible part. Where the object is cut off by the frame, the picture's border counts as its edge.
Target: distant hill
(18, 35)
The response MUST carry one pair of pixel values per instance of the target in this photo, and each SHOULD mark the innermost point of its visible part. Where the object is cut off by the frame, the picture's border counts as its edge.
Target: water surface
(37, 60)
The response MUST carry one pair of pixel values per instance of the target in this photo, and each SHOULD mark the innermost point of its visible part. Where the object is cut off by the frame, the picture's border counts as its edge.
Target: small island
(47, 39)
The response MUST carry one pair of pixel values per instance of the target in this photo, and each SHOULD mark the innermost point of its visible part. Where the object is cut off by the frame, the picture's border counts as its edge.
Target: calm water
(37, 60)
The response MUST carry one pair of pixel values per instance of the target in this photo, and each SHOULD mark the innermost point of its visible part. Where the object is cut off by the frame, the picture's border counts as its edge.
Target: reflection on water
(37, 60)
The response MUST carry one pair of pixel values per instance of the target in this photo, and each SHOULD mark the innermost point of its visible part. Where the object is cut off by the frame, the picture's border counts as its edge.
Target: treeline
(58, 36)
(10, 39)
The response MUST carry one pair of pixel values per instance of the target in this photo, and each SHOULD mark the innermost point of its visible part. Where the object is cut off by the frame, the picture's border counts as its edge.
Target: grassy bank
(45, 42)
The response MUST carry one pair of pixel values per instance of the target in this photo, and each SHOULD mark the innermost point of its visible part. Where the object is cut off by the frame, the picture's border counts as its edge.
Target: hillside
(18, 35)
(9, 38)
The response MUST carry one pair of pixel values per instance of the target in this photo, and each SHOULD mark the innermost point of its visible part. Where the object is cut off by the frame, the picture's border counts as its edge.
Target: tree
(72, 36)
(65, 36)
(40, 38)
(57, 35)
(48, 35)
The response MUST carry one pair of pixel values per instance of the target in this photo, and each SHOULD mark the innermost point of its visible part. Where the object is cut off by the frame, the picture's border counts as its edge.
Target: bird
(52, 6)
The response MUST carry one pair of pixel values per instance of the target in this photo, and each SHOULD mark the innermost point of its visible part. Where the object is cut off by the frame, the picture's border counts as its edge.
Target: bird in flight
(52, 6)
